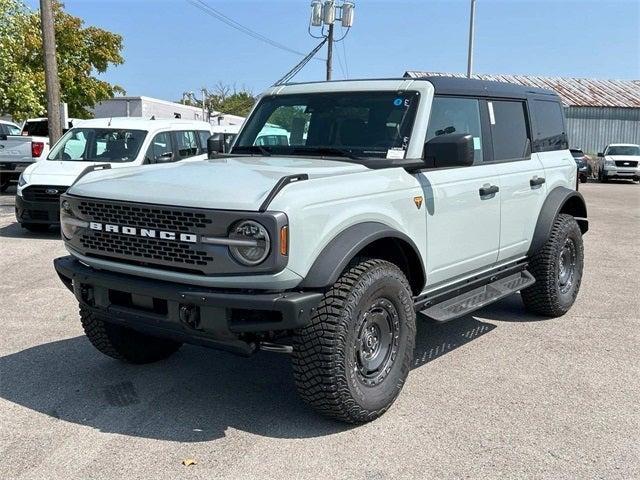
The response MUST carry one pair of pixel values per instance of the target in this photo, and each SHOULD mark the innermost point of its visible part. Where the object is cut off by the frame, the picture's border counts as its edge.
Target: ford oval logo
(626, 163)
(51, 191)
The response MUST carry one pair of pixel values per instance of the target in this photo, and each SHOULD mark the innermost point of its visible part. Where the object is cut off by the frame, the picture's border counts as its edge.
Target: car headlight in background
(21, 181)
(69, 223)
(609, 163)
(249, 242)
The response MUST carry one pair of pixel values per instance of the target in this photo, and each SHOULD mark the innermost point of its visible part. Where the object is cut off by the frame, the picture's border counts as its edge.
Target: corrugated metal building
(598, 112)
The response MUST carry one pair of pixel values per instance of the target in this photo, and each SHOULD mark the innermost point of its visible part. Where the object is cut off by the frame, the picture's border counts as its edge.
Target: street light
(325, 14)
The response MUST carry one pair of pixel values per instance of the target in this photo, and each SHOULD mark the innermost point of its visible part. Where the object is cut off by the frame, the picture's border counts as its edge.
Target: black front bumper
(223, 319)
(37, 212)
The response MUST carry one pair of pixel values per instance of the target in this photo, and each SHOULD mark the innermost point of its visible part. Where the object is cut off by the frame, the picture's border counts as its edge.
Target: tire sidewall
(568, 230)
(378, 283)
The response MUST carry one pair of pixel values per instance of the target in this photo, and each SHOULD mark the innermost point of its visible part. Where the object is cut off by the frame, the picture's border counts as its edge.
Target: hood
(59, 172)
(238, 183)
(623, 158)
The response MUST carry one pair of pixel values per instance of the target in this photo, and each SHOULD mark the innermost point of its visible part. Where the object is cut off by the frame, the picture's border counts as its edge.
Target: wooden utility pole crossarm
(51, 79)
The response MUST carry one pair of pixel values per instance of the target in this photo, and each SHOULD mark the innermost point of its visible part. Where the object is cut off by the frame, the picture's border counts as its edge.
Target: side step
(479, 297)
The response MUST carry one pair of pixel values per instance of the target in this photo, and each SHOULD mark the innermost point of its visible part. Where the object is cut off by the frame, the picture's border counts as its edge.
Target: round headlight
(251, 242)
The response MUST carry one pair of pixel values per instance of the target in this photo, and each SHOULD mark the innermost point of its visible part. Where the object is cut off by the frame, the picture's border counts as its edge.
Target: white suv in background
(99, 144)
(620, 161)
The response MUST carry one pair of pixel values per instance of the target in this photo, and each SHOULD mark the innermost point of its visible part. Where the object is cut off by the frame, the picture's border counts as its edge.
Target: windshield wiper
(328, 151)
(252, 149)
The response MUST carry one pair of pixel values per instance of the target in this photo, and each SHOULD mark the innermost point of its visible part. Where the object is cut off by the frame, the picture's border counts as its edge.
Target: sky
(171, 47)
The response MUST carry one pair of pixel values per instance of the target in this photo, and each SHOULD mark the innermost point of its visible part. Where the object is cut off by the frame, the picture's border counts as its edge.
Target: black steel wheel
(557, 268)
(351, 362)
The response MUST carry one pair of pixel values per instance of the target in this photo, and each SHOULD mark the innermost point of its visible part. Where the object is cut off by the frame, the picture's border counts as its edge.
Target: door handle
(535, 181)
(488, 190)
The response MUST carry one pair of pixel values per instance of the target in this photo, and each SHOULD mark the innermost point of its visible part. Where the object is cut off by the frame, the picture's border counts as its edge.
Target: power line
(209, 10)
(294, 71)
(344, 51)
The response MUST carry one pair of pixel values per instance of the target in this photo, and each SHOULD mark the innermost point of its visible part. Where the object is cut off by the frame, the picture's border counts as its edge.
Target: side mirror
(600, 154)
(452, 150)
(164, 158)
(215, 145)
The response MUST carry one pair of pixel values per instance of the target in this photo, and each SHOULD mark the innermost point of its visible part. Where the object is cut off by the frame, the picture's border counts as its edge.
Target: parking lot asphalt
(497, 394)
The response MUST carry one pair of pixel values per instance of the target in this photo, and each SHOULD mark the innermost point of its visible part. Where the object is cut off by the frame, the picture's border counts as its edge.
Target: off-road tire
(123, 343)
(325, 353)
(545, 297)
(36, 227)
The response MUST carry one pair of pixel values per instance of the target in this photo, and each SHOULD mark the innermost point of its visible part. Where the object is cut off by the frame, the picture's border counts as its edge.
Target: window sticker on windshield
(395, 153)
(402, 102)
(476, 143)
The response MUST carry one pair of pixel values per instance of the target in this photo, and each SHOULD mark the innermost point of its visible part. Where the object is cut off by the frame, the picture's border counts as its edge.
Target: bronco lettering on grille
(143, 232)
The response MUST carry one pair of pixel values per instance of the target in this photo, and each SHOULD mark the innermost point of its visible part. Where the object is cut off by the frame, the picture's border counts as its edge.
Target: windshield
(623, 150)
(13, 129)
(343, 124)
(98, 145)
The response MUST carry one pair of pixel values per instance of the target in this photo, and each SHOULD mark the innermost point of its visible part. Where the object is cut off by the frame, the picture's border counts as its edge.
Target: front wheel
(351, 362)
(123, 343)
(557, 268)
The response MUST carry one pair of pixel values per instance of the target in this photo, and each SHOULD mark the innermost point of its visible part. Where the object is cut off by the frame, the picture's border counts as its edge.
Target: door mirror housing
(451, 150)
(164, 158)
(215, 145)
(600, 154)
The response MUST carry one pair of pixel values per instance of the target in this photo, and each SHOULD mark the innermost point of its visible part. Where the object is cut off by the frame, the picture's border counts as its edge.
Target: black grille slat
(145, 217)
(38, 193)
(144, 249)
(629, 163)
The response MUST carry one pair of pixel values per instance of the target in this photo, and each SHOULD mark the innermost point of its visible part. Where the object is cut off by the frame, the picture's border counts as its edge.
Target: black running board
(479, 297)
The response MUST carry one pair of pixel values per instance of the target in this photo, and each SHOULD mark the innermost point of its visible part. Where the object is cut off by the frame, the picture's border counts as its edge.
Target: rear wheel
(123, 343)
(557, 269)
(351, 362)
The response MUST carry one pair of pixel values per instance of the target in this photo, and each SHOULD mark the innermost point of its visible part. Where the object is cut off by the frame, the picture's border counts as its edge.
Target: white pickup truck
(19, 149)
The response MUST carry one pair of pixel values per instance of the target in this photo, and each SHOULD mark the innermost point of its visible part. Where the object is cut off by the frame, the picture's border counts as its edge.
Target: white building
(152, 107)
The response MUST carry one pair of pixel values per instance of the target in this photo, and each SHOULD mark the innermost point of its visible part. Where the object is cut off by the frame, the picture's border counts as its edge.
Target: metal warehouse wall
(592, 128)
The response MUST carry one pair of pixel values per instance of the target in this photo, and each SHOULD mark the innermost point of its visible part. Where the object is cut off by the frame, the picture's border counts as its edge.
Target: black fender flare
(559, 200)
(337, 254)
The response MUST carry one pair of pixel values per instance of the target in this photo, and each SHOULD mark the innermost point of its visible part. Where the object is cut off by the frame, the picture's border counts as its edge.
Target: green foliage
(82, 52)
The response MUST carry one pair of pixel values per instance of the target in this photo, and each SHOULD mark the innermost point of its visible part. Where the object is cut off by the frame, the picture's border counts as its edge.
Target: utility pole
(324, 14)
(204, 101)
(330, 52)
(52, 82)
(471, 35)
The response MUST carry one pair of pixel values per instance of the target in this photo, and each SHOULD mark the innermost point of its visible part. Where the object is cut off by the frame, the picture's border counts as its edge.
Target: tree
(227, 99)
(82, 52)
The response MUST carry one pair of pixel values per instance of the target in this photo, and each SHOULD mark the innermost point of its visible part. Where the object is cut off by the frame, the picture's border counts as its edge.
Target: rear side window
(204, 136)
(549, 126)
(160, 148)
(186, 143)
(509, 130)
(36, 128)
(456, 115)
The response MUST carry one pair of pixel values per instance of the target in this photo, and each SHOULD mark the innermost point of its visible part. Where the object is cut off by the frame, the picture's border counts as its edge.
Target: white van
(102, 143)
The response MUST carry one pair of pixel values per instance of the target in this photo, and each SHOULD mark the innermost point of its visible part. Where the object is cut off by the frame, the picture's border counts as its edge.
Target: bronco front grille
(626, 163)
(43, 193)
(172, 238)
